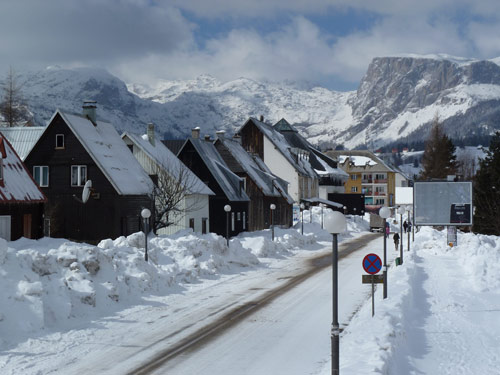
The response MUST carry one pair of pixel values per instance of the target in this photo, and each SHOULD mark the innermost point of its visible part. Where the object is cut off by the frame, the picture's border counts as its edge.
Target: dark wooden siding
(252, 139)
(106, 214)
(17, 211)
(217, 215)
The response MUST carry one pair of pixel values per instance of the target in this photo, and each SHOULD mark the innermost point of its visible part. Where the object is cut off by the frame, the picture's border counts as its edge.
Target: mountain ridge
(396, 101)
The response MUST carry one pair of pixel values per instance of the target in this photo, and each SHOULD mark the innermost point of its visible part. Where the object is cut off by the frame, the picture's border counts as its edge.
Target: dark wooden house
(74, 149)
(201, 156)
(261, 185)
(21, 200)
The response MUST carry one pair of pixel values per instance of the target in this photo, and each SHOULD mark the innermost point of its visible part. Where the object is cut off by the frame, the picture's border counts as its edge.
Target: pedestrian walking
(405, 226)
(396, 240)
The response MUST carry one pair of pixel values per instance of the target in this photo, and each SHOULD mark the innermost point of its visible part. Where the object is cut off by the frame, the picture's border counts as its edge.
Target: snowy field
(61, 301)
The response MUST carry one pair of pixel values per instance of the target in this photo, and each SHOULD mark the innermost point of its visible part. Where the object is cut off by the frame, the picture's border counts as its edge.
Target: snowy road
(291, 335)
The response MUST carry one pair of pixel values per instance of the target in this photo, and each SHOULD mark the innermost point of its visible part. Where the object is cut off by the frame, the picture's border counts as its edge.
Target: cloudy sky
(327, 42)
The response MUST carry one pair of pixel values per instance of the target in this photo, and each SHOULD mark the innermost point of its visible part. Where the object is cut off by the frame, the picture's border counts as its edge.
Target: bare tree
(12, 106)
(171, 193)
(466, 165)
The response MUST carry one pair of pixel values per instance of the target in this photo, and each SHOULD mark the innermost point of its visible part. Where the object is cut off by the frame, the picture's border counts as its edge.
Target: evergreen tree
(439, 158)
(487, 191)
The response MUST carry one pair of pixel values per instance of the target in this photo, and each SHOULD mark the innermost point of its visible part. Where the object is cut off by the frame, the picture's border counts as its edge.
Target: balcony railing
(380, 181)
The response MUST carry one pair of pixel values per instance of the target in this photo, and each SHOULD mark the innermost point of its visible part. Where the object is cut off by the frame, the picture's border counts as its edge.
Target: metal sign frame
(451, 202)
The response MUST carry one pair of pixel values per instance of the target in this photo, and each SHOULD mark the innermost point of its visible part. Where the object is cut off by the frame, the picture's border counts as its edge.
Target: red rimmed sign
(372, 264)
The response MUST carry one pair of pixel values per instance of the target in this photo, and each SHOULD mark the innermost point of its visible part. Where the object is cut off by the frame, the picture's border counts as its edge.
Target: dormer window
(59, 140)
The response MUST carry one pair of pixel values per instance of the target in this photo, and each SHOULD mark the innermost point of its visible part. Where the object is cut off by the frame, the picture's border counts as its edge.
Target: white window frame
(354, 189)
(80, 179)
(60, 136)
(41, 168)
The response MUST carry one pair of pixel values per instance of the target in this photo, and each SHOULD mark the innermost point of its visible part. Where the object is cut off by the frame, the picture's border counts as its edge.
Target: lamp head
(401, 210)
(145, 213)
(335, 222)
(227, 208)
(385, 212)
(272, 206)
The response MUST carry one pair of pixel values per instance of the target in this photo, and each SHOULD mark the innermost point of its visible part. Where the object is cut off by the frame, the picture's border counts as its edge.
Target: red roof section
(17, 184)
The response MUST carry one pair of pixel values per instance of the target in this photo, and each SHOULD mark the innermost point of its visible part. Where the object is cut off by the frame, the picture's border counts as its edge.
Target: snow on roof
(17, 184)
(23, 138)
(165, 158)
(227, 180)
(301, 165)
(258, 172)
(109, 152)
(359, 161)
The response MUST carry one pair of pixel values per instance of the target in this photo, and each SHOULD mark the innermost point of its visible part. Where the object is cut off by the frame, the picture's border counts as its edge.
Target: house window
(244, 220)
(238, 216)
(204, 225)
(354, 177)
(59, 140)
(191, 223)
(232, 221)
(354, 189)
(41, 175)
(78, 175)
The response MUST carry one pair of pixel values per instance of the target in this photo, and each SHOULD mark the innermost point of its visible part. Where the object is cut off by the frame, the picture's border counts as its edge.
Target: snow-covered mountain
(396, 100)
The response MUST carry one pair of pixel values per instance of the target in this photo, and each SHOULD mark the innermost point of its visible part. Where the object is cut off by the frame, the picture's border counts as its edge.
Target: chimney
(220, 134)
(261, 118)
(195, 132)
(89, 110)
(151, 133)
(207, 137)
(237, 138)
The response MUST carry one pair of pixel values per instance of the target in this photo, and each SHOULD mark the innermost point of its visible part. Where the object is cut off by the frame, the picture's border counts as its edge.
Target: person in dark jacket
(405, 226)
(396, 240)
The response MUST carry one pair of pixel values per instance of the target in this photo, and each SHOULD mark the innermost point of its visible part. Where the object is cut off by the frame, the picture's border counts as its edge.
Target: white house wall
(278, 164)
(197, 204)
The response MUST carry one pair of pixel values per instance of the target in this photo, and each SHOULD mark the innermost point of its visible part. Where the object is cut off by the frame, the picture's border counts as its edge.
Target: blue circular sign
(372, 263)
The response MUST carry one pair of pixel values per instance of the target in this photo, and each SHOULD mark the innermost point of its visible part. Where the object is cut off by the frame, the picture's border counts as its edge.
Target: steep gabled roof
(230, 183)
(165, 159)
(23, 138)
(322, 164)
(300, 164)
(17, 185)
(105, 146)
(268, 183)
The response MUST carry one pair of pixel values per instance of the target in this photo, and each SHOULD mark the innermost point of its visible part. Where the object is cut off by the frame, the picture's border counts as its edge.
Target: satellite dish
(86, 191)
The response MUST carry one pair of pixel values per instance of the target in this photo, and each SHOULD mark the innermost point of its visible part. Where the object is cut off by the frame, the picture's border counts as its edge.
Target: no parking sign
(372, 264)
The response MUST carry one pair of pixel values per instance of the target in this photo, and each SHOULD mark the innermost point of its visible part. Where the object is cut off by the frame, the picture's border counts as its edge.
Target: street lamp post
(146, 214)
(272, 207)
(302, 211)
(409, 221)
(385, 213)
(227, 208)
(401, 211)
(335, 223)
(322, 218)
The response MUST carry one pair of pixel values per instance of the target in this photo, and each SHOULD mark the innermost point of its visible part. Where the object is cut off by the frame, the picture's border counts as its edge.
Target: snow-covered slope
(396, 100)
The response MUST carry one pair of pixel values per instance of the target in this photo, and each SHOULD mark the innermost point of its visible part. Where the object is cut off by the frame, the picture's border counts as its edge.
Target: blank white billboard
(404, 195)
(442, 203)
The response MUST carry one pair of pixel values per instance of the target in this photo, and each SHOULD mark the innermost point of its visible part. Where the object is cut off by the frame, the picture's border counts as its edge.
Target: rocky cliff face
(399, 97)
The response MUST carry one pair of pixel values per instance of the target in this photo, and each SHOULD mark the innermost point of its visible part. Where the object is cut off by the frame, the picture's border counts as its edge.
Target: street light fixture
(227, 208)
(146, 214)
(302, 206)
(272, 207)
(401, 211)
(335, 223)
(385, 213)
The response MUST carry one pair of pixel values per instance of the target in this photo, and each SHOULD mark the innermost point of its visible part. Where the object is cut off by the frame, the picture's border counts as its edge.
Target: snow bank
(54, 284)
(376, 345)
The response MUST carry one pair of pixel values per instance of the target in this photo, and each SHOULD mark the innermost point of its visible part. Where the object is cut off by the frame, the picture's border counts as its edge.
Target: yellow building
(371, 176)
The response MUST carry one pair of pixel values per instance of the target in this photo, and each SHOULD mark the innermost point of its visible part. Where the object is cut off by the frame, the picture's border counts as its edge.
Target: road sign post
(372, 264)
